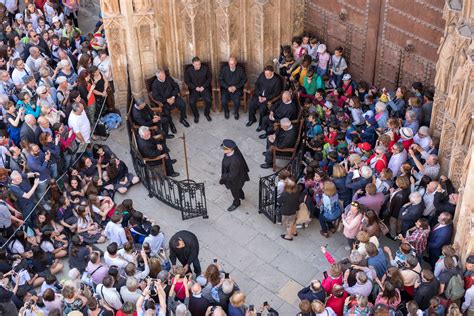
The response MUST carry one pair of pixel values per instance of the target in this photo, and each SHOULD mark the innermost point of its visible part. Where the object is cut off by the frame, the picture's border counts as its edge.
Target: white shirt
(119, 262)
(80, 123)
(128, 296)
(115, 233)
(396, 161)
(110, 295)
(156, 243)
(424, 142)
(104, 67)
(11, 5)
(17, 75)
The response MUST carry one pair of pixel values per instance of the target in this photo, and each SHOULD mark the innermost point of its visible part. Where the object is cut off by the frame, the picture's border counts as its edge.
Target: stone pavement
(266, 267)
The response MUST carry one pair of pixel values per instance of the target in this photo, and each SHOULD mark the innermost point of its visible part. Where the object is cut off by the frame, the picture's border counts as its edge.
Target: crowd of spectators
(371, 173)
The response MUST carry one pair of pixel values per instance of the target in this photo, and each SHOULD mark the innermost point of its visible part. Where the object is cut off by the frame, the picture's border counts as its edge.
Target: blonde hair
(318, 306)
(363, 237)
(290, 186)
(338, 171)
(329, 188)
(403, 182)
(237, 299)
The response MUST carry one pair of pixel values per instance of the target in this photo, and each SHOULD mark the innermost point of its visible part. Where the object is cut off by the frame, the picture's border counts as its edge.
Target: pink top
(382, 300)
(352, 224)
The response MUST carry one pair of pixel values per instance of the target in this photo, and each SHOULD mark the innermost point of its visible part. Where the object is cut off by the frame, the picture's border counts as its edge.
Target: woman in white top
(32, 15)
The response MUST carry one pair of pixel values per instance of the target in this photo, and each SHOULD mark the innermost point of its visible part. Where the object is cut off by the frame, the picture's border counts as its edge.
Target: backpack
(334, 213)
(455, 288)
(112, 120)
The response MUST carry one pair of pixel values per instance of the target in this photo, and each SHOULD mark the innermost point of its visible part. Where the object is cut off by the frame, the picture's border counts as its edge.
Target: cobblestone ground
(266, 267)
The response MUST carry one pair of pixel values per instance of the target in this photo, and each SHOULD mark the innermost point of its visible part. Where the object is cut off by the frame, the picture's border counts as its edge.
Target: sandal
(283, 236)
(295, 234)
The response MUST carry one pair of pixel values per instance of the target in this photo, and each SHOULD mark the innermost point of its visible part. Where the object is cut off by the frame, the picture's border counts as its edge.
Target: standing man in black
(184, 246)
(267, 87)
(232, 80)
(198, 79)
(235, 172)
(165, 90)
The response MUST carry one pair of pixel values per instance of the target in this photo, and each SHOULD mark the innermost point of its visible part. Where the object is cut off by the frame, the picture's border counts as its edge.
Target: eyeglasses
(356, 204)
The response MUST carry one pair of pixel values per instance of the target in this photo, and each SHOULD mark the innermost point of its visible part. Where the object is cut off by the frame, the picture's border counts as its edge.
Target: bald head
(30, 119)
(286, 96)
(196, 289)
(232, 63)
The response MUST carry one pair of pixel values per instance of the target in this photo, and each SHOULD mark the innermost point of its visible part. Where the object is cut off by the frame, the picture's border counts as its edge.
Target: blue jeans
(324, 222)
(321, 72)
(337, 80)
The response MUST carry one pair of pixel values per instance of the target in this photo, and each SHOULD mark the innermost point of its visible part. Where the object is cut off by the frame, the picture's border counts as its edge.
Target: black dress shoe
(226, 115)
(169, 136)
(184, 122)
(266, 165)
(173, 161)
(259, 129)
(263, 136)
(196, 119)
(249, 123)
(174, 175)
(264, 153)
(236, 115)
(208, 117)
(173, 129)
(232, 207)
(242, 197)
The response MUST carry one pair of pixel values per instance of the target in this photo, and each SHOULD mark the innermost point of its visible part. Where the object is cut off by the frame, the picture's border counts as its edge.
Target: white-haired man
(165, 90)
(423, 138)
(411, 212)
(79, 123)
(285, 137)
(232, 79)
(150, 147)
(430, 168)
(285, 107)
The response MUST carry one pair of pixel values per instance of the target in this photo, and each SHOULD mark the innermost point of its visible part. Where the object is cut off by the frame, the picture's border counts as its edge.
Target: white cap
(55, 19)
(18, 16)
(346, 77)
(60, 80)
(63, 63)
(41, 89)
(321, 48)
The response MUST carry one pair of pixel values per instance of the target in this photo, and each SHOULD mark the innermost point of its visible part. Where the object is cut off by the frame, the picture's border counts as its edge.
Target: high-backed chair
(185, 90)
(244, 99)
(287, 153)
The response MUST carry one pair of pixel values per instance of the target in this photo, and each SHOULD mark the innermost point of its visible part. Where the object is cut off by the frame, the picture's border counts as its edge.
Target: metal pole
(185, 157)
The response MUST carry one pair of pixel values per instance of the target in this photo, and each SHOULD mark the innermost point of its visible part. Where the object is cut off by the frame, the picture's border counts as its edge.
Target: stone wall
(144, 35)
(453, 110)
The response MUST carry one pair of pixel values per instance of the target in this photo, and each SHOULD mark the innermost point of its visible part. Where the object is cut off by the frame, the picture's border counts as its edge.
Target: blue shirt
(379, 263)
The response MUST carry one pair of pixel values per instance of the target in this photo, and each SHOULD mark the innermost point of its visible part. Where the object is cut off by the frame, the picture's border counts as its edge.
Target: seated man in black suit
(267, 87)
(232, 80)
(165, 90)
(150, 147)
(285, 137)
(285, 107)
(198, 79)
(143, 115)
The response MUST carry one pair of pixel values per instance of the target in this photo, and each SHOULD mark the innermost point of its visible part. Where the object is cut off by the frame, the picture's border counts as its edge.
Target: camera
(152, 289)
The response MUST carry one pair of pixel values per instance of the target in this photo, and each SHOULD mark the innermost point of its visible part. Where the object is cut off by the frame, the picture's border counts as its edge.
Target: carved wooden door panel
(386, 42)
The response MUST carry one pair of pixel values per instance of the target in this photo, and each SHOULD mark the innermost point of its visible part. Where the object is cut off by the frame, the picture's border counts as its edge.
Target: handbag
(302, 215)
(383, 228)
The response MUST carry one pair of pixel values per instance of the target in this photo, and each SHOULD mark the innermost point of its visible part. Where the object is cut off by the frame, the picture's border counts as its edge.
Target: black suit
(280, 110)
(283, 139)
(162, 91)
(198, 305)
(144, 117)
(148, 149)
(228, 78)
(187, 255)
(199, 78)
(28, 134)
(268, 88)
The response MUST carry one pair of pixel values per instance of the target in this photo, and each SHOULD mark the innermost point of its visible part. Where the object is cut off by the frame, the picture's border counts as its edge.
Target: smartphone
(265, 303)
(325, 273)
(251, 308)
(226, 275)
(215, 260)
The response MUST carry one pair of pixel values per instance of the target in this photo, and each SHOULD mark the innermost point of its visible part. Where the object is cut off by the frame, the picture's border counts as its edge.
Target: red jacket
(337, 303)
(380, 163)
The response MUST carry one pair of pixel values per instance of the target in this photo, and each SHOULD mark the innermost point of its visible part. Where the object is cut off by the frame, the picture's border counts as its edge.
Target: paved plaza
(266, 267)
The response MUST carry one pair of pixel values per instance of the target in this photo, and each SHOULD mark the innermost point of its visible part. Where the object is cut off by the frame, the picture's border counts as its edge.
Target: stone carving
(446, 52)
(457, 85)
(110, 6)
(465, 121)
(141, 5)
